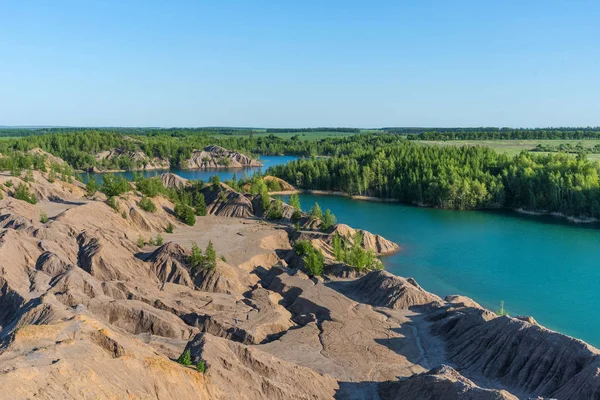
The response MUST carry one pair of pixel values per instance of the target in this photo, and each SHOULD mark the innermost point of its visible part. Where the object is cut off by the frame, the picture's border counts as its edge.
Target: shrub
(501, 311)
(141, 242)
(92, 186)
(43, 217)
(223, 259)
(185, 358)
(301, 247)
(316, 212)
(170, 227)
(210, 255)
(215, 180)
(314, 262)
(328, 220)
(201, 367)
(273, 185)
(185, 214)
(113, 185)
(124, 215)
(196, 259)
(199, 204)
(150, 187)
(8, 183)
(147, 204)
(22, 193)
(159, 240)
(113, 203)
(274, 210)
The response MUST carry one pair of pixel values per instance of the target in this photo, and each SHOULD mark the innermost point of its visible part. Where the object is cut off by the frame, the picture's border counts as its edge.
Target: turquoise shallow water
(537, 266)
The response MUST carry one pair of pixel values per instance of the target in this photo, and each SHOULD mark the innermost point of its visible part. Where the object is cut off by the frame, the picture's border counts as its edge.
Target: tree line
(451, 177)
(508, 134)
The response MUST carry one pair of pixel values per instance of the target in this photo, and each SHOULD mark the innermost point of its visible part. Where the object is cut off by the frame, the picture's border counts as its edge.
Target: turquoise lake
(538, 266)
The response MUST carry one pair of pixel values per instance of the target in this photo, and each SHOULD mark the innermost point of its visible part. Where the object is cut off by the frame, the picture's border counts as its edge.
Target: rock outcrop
(253, 374)
(376, 243)
(440, 383)
(171, 180)
(218, 157)
(226, 202)
(138, 159)
(382, 289)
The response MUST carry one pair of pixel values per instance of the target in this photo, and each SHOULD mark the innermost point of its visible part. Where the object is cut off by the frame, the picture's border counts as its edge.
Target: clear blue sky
(300, 63)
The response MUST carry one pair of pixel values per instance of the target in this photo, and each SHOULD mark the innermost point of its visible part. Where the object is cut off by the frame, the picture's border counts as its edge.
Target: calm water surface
(204, 175)
(537, 266)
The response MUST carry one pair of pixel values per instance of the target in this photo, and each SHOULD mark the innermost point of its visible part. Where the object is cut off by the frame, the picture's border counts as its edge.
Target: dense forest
(506, 134)
(454, 177)
(307, 130)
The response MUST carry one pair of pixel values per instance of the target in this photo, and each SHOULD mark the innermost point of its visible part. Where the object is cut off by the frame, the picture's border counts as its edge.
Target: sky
(300, 63)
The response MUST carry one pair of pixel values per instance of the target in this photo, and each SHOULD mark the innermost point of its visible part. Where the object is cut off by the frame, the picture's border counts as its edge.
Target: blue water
(538, 267)
(204, 174)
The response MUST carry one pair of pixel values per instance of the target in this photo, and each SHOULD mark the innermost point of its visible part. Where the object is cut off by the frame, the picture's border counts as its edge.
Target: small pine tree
(314, 262)
(338, 247)
(185, 214)
(141, 242)
(92, 186)
(196, 259)
(113, 203)
(210, 255)
(200, 205)
(43, 217)
(316, 212)
(201, 367)
(328, 220)
(159, 240)
(275, 210)
(170, 227)
(147, 204)
(185, 358)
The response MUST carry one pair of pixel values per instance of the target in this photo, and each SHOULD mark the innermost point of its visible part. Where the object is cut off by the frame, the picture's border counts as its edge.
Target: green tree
(185, 214)
(22, 193)
(196, 258)
(185, 358)
(328, 220)
(199, 204)
(92, 186)
(147, 204)
(314, 262)
(210, 255)
(316, 212)
(113, 185)
(201, 367)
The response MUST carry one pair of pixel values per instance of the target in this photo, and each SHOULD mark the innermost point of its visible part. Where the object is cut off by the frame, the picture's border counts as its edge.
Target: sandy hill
(88, 312)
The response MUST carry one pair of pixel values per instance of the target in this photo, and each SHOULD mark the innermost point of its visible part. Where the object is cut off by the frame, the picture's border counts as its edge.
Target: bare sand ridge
(86, 313)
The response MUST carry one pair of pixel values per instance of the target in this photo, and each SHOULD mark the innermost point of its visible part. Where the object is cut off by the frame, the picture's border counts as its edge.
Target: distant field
(512, 147)
(305, 135)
